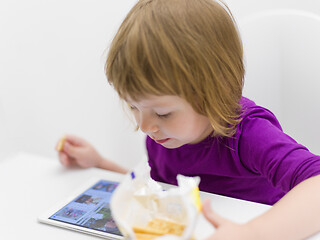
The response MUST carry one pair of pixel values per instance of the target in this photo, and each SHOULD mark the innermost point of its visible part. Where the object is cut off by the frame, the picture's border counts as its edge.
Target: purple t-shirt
(259, 163)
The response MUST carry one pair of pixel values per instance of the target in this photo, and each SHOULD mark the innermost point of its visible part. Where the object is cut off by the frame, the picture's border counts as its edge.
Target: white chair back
(282, 54)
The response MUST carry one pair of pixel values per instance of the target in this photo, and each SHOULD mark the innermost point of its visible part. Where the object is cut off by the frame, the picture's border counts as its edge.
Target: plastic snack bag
(142, 209)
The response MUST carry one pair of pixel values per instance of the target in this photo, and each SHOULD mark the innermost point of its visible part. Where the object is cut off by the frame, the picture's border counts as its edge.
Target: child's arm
(76, 152)
(295, 216)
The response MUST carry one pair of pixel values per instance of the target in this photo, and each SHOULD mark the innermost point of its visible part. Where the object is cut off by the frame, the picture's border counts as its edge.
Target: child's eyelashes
(132, 108)
(163, 115)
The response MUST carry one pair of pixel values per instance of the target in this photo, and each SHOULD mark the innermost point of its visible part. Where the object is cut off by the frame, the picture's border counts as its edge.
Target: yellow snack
(147, 230)
(145, 236)
(60, 144)
(158, 227)
(167, 227)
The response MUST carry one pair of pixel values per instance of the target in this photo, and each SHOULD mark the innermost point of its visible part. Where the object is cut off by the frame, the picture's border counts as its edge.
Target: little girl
(179, 66)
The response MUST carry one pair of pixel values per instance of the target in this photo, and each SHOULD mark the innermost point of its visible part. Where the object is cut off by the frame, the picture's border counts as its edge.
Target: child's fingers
(72, 151)
(68, 161)
(64, 160)
(68, 138)
(215, 219)
(74, 140)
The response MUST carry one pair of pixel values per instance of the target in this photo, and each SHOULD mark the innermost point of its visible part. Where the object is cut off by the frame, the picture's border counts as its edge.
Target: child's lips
(162, 140)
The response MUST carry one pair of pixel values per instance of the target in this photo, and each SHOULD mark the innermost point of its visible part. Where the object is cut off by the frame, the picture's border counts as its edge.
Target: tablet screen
(91, 209)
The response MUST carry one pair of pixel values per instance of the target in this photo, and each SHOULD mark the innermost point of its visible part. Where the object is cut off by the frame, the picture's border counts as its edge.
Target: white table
(30, 184)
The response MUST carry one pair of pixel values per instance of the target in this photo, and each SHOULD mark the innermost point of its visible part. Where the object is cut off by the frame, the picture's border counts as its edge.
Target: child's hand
(225, 229)
(76, 152)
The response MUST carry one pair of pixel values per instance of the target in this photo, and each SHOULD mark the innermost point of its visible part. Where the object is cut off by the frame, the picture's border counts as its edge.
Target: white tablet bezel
(45, 217)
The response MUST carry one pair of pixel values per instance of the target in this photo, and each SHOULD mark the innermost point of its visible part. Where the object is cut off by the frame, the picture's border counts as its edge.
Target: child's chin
(172, 145)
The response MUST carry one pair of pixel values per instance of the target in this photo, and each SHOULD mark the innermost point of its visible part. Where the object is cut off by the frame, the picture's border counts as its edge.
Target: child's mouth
(161, 141)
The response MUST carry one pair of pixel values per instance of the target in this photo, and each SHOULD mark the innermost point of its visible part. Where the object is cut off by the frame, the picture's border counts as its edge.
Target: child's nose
(148, 125)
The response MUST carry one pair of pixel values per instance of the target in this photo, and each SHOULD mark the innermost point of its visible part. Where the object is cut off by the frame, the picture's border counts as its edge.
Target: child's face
(170, 120)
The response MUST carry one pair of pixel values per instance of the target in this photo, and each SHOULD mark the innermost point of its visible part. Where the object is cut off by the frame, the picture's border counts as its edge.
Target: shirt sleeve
(266, 150)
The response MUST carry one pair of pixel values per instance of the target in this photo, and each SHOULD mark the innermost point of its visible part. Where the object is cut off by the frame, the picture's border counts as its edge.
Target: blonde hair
(188, 48)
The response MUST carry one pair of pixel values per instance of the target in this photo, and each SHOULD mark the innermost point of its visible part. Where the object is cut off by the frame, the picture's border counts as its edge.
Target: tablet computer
(87, 211)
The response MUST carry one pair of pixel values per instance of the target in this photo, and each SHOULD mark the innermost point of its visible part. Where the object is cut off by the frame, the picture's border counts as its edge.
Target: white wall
(52, 78)
(52, 82)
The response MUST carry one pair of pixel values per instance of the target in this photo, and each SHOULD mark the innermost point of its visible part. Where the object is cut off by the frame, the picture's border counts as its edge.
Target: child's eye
(164, 115)
(132, 107)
